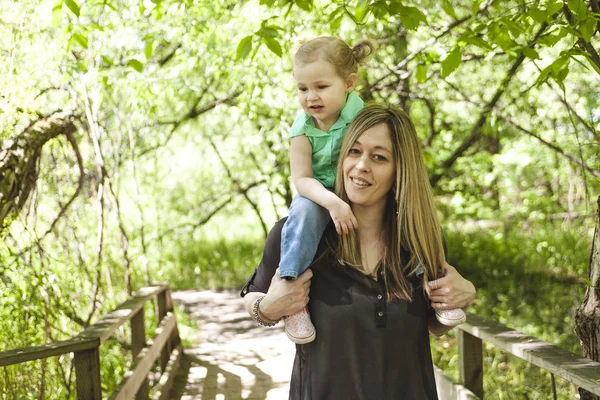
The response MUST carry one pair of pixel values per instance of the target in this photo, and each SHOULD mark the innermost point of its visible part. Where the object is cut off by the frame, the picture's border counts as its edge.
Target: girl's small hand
(286, 297)
(452, 291)
(343, 218)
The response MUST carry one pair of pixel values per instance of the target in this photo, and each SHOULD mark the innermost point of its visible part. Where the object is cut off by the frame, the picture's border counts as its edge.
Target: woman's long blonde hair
(411, 230)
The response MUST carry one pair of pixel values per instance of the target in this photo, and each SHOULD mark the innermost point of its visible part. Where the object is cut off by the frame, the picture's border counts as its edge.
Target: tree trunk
(587, 316)
(19, 160)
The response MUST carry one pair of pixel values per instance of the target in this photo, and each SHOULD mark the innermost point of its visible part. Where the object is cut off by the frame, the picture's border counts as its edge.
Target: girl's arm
(307, 186)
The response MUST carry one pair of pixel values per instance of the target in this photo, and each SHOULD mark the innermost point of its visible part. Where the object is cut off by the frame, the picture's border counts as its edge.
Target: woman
(367, 300)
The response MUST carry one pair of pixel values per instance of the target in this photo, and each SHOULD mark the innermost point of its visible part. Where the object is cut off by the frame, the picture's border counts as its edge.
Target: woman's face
(369, 168)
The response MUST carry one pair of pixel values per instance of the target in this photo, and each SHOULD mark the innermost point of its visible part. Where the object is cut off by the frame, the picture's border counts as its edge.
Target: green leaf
(244, 48)
(81, 39)
(411, 17)
(553, 37)
(451, 62)
(107, 60)
(361, 10)
(273, 45)
(579, 8)
(97, 27)
(553, 6)
(267, 31)
(587, 28)
(448, 8)
(57, 14)
(477, 41)
(537, 15)
(531, 53)
(514, 28)
(305, 5)
(421, 74)
(149, 49)
(73, 6)
(475, 7)
(136, 64)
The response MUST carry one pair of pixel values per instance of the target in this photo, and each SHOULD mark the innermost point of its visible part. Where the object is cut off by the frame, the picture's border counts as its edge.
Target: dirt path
(232, 358)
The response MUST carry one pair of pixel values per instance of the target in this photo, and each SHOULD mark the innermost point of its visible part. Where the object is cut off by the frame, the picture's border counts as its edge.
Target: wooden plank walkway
(232, 358)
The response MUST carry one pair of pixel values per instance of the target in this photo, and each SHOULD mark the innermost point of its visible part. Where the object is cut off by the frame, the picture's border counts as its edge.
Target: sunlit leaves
(421, 73)
(305, 5)
(57, 14)
(361, 11)
(73, 6)
(411, 17)
(558, 70)
(244, 48)
(80, 39)
(448, 8)
(451, 62)
(136, 64)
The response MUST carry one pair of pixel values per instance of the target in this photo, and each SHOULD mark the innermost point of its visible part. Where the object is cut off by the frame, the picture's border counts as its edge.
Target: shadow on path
(232, 358)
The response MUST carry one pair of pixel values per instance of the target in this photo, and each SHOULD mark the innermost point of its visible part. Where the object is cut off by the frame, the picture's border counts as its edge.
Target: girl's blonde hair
(412, 232)
(335, 51)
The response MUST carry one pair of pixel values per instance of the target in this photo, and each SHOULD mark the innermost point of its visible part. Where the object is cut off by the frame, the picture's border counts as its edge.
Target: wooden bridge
(234, 359)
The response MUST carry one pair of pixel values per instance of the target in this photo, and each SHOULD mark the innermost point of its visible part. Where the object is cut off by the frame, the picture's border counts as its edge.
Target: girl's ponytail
(362, 50)
(334, 50)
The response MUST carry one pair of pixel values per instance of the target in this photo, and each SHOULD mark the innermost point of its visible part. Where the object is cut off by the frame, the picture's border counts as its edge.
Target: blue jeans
(301, 235)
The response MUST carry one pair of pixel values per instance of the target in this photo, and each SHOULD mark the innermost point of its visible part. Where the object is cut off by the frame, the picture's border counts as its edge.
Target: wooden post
(162, 311)
(587, 315)
(87, 370)
(470, 362)
(138, 341)
(175, 340)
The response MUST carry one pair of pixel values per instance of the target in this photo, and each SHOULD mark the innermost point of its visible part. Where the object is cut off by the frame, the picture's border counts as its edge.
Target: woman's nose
(312, 95)
(363, 164)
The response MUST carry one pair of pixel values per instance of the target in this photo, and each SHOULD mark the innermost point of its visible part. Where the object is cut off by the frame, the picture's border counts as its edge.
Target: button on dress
(366, 347)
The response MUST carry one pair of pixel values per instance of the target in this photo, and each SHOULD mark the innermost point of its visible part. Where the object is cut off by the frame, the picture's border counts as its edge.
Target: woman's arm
(452, 291)
(283, 297)
(447, 293)
(307, 186)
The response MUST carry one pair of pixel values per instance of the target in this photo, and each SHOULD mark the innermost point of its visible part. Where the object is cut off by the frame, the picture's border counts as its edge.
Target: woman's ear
(351, 81)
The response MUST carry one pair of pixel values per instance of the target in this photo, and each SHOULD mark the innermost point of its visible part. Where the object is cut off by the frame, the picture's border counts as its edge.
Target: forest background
(145, 140)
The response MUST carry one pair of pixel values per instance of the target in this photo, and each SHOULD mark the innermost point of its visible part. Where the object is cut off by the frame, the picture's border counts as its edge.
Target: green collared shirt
(326, 145)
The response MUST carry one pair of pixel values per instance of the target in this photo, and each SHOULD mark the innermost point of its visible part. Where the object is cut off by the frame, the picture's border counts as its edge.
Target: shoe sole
(301, 340)
(451, 322)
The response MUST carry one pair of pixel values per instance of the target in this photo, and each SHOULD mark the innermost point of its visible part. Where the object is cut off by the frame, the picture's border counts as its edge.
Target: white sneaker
(451, 317)
(299, 328)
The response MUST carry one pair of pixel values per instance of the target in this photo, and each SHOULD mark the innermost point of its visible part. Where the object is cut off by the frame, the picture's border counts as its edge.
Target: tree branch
(475, 132)
(575, 160)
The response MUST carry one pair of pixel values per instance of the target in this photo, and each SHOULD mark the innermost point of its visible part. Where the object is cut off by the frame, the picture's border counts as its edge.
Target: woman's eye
(354, 151)
(378, 157)
(303, 89)
(322, 87)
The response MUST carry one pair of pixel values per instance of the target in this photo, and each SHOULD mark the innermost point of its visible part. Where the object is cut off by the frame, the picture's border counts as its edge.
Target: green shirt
(326, 145)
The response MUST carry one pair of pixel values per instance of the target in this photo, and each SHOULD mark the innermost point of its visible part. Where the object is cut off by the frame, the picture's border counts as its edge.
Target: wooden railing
(85, 346)
(580, 371)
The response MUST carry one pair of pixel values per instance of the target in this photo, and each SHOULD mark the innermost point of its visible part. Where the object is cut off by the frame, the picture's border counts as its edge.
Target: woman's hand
(452, 291)
(342, 217)
(285, 297)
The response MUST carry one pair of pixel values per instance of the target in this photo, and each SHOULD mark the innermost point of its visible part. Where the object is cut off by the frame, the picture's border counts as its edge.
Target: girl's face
(369, 168)
(322, 92)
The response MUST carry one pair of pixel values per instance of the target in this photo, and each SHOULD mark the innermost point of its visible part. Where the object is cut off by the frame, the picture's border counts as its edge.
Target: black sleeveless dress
(366, 348)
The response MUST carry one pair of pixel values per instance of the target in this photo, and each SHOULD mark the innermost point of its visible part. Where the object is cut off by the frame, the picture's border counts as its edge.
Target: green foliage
(183, 109)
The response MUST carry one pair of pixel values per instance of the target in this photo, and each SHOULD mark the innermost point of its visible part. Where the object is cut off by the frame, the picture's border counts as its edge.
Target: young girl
(325, 70)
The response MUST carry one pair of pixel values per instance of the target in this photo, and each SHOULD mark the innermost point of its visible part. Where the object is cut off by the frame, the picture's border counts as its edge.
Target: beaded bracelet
(257, 317)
